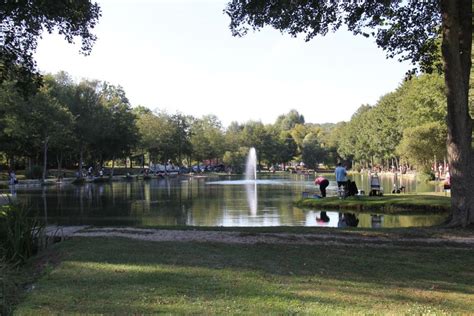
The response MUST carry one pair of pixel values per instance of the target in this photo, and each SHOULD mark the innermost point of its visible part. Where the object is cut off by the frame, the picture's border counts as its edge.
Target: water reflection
(323, 217)
(195, 202)
(376, 220)
(347, 220)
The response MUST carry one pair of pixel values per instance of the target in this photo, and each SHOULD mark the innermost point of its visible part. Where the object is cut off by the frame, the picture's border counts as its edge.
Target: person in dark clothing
(351, 188)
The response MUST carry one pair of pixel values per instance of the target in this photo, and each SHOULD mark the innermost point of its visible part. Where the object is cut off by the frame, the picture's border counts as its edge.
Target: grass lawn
(387, 204)
(124, 276)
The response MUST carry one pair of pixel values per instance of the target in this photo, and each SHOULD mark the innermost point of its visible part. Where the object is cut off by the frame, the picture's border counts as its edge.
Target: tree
(233, 137)
(181, 137)
(421, 100)
(408, 29)
(255, 135)
(164, 136)
(287, 121)
(34, 125)
(207, 138)
(287, 148)
(421, 143)
(49, 122)
(120, 132)
(312, 152)
(22, 23)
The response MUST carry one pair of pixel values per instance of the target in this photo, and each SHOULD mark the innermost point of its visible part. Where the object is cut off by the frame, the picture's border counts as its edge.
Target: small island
(387, 204)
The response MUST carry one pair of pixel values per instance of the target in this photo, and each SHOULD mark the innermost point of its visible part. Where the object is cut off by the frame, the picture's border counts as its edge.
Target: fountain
(251, 165)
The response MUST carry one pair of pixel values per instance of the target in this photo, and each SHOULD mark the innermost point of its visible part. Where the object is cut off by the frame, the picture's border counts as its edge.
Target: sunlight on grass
(132, 277)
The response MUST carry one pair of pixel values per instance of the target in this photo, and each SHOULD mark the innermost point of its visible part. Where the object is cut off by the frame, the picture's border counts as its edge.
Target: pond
(206, 201)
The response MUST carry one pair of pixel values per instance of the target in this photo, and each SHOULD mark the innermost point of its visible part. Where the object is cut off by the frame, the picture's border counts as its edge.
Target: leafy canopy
(408, 29)
(23, 22)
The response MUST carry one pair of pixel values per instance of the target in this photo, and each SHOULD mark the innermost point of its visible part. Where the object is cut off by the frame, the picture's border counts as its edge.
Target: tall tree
(408, 29)
(120, 132)
(22, 23)
(207, 138)
(312, 153)
(421, 143)
(287, 121)
(88, 112)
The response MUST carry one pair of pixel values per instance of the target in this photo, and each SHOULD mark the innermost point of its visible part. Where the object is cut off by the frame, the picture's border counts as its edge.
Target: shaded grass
(394, 233)
(121, 276)
(387, 204)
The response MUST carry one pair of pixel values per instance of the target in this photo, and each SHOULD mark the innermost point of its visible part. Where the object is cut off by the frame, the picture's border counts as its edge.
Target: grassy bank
(387, 204)
(122, 276)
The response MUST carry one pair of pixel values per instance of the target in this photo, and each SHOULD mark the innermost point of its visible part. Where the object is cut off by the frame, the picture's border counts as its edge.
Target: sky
(180, 56)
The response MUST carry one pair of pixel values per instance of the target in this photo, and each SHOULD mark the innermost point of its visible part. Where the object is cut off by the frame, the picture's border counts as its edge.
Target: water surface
(204, 201)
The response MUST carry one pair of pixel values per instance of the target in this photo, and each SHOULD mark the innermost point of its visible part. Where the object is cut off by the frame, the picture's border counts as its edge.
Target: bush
(19, 233)
(36, 172)
(9, 289)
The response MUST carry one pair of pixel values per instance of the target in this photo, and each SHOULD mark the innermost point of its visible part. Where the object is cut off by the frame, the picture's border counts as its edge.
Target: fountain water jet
(251, 165)
(251, 176)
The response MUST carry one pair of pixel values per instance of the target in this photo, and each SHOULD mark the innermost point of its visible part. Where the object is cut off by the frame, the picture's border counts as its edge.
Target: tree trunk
(113, 166)
(60, 163)
(45, 158)
(456, 49)
(80, 163)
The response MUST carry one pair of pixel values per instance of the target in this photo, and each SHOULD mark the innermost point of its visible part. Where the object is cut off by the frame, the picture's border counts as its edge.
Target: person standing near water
(341, 174)
(323, 184)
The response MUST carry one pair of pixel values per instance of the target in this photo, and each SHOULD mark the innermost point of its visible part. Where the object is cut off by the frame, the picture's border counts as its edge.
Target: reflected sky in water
(203, 201)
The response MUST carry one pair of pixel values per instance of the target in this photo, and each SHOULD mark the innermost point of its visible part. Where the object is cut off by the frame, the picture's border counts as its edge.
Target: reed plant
(21, 234)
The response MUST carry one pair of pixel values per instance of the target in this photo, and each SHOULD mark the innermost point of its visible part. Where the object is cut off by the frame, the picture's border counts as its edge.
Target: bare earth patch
(253, 238)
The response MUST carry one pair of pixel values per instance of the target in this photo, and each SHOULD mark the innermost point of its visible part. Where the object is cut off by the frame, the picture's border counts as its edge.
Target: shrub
(19, 233)
(9, 289)
(35, 172)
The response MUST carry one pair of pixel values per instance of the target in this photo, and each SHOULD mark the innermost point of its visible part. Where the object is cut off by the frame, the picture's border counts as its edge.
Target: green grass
(121, 276)
(387, 204)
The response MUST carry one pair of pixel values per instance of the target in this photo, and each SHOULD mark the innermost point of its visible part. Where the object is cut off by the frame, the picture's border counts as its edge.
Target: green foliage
(19, 233)
(236, 160)
(378, 131)
(288, 121)
(422, 143)
(409, 30)
(312, 152)
(421, 100)
(23, 23)
(35, 172)
(165, 136)
(207, 138)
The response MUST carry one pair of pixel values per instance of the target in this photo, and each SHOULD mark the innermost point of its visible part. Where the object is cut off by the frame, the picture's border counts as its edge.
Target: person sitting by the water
(323, 184)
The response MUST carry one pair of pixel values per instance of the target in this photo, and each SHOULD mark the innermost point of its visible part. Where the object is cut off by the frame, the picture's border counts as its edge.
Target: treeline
(406, 126)
(69, 124)
(65, 124)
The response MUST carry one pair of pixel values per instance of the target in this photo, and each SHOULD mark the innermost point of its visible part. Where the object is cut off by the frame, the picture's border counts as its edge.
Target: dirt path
(254, 238)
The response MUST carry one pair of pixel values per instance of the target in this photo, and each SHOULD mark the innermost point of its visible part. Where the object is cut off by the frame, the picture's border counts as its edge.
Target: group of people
(341, 179)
